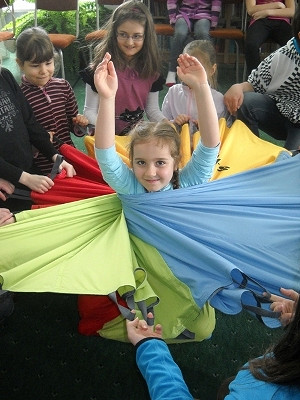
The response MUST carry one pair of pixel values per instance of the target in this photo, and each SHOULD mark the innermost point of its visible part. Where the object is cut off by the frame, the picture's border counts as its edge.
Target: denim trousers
(259, 111)
(182, 36)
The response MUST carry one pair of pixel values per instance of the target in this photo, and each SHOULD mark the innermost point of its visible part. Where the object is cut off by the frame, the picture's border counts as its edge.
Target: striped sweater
(54, 106)
(194, 9)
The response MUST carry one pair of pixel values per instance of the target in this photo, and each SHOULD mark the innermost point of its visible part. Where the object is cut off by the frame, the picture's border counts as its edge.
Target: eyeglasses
(137, 37)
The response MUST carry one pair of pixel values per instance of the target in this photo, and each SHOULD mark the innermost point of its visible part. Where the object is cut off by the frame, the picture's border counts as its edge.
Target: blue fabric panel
(209, 234)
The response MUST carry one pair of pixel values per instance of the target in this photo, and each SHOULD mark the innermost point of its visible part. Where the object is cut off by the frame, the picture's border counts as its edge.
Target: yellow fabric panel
(89, 142)
(123, 141)
(185, 145)
(196, 138)
(121, 147)
(240, 149)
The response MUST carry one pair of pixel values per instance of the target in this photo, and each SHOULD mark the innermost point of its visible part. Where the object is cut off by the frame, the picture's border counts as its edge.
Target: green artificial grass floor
(44, 357)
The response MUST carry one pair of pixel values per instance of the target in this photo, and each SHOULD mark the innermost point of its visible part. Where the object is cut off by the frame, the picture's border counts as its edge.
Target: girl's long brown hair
(147, 61)
(281, 362)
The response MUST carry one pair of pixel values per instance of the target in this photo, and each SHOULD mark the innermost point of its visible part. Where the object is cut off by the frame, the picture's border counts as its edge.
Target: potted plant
(64, 22)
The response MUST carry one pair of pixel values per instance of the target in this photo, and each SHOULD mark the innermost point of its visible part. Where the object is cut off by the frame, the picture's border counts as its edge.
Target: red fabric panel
(95, 311)
(85, 166)
(86, 184)
(66, 190)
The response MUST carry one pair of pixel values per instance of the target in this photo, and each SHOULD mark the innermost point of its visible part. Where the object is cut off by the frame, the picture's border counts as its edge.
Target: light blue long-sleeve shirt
(122, 179)
(161, 373)
(165, 380)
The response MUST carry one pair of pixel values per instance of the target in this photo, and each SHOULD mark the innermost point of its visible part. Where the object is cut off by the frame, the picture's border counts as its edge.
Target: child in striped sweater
(52, 99)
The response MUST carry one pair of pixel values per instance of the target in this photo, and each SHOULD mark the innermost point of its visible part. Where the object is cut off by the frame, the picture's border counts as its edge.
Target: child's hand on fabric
(70, 171)
(7, 187)
(182, 119)
(286, 306)
(191, 71)
(139, 329)
(6, 217)
(80, 120)
(105, 78)
(37, 183)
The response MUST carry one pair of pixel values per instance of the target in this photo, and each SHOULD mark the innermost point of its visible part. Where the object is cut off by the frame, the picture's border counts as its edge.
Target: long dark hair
(281, 363)
(147, 61)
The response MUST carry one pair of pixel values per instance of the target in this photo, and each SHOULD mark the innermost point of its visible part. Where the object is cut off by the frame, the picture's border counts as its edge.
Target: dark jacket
(19, 130)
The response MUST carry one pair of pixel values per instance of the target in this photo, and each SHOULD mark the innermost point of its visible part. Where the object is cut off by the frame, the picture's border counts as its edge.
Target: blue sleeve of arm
(200, 168)
(116, 173)
(161, 373)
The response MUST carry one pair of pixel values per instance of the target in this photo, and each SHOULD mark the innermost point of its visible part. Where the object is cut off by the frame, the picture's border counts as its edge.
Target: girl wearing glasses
(132, 43)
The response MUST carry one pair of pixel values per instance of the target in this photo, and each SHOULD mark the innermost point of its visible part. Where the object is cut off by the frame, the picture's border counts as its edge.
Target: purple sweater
(194, 9)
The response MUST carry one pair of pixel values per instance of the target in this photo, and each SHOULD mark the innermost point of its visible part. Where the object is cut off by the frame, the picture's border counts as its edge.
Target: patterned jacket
(193, 10)
(278, 75)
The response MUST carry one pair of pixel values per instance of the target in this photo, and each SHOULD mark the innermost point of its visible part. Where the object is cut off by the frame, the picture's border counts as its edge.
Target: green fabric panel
(176, 310)
(84, 247)
(80, 247)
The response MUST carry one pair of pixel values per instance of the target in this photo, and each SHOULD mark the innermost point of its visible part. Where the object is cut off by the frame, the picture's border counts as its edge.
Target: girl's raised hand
(105, 78)
(191, 71)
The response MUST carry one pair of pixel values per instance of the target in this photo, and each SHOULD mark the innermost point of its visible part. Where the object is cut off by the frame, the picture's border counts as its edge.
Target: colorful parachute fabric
(86, 184)
(226, 241)
(216, 235)
(84, 247)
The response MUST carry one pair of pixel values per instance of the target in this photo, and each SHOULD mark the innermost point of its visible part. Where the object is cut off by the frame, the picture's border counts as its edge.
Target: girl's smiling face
(153, 165)
(37, 73)
(130, 38)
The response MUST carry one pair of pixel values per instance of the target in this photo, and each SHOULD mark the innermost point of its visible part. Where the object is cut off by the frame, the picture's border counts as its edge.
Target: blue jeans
(259, 111)
(182, 36)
